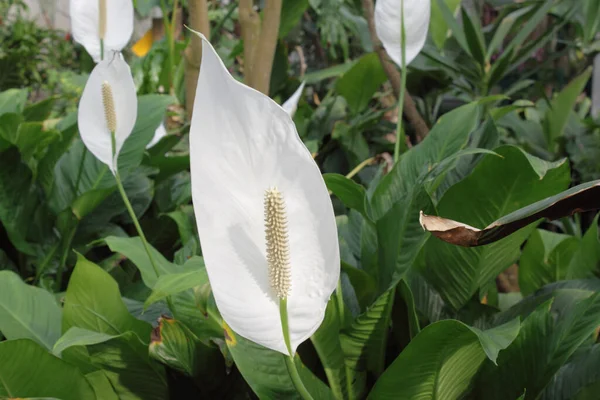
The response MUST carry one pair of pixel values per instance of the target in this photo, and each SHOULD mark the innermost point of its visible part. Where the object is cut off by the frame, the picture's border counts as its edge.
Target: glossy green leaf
(28, 312)
(352, 194)
(93, 302)
(546, 258)
(442, 361)
(266, 372)
(359, 84)
(586, 260)
(575, 378)
(562, 106)
(542, 347)
(28, 370)
(496, 187)
(438, 27)
(171, 284)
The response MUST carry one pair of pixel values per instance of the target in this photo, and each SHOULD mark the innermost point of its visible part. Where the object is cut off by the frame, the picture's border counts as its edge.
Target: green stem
(135, 220)
(399, 132)
(63, 258)
(289, 359)
(101, 49)
(80, 171)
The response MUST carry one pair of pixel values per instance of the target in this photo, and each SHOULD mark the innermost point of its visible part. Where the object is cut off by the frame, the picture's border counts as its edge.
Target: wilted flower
(108, 106)
(102, 26)
(264, 215)
(388, 23)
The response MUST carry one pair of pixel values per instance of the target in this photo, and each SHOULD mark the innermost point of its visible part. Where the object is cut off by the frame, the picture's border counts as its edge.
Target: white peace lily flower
(160, 133)
(108, 20)
(388, 17)
(108, 103)
(264, 215)
(291, 105)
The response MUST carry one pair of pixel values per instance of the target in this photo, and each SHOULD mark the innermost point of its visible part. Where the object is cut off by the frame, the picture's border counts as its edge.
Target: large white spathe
(85, 25)
(91, 116)
(388, 22)
(241, 144)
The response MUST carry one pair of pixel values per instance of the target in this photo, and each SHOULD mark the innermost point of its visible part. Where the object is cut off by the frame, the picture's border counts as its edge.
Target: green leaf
(331, 72)
(496, 187)
(28, 370)
(474, 36)
(364, 342)
(266, 372)
(327, 344)
(39, 111)
(361, 82)
(562, 106)
(133, 248)
(438, 27)
(177, 347)
(546, 258)
(572, 379)
(448, 16)
(123, 359)
(587, 258)
(93, 302)
(449, 135)
(442, 361)
(352, 194)
(291, 15)
(174, 283)
(13, 101)
(543, 346)
(28, 312)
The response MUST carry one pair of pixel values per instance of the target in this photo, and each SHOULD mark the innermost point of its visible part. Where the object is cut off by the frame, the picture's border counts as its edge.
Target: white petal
(160, 133)
(85, 25)
(388, 15)
(291, 105)
(91, 116)
(242, 143)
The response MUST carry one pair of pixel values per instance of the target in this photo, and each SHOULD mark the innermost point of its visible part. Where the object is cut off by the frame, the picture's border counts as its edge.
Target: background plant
(503, 89)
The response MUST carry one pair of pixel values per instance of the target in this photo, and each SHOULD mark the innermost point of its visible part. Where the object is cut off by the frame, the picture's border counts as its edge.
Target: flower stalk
(399, 131)
(101, 25)
(110, 115)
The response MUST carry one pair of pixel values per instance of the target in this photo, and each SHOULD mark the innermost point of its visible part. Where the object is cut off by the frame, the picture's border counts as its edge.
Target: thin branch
(250, 24)
(198, 10)
(410, 108)
(265, 53)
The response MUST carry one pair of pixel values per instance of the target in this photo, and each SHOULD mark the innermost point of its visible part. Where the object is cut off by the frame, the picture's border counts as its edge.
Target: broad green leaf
(133, 248)
(93, 302)
(438, 27)
(101, 385)
(359, 84)
(28, 370)
(28, 312)
(543, 346)
(546, 258)
(562, 106)
(327, 343)
(291, 15)
(174, 283)
(352, 194)
(266, 372)
(18, 199)
(442, 361)
(39, 111)
(573, 378)
(364, 342)
(496, 187)
(449, 135)
(177, 347)
(586, 260)
(13, 101)
(123, 359)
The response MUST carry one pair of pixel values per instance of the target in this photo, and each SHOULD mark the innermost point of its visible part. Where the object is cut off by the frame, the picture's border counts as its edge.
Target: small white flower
(264, 215)
(108, 20)
(388, 23)
(108, 102)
